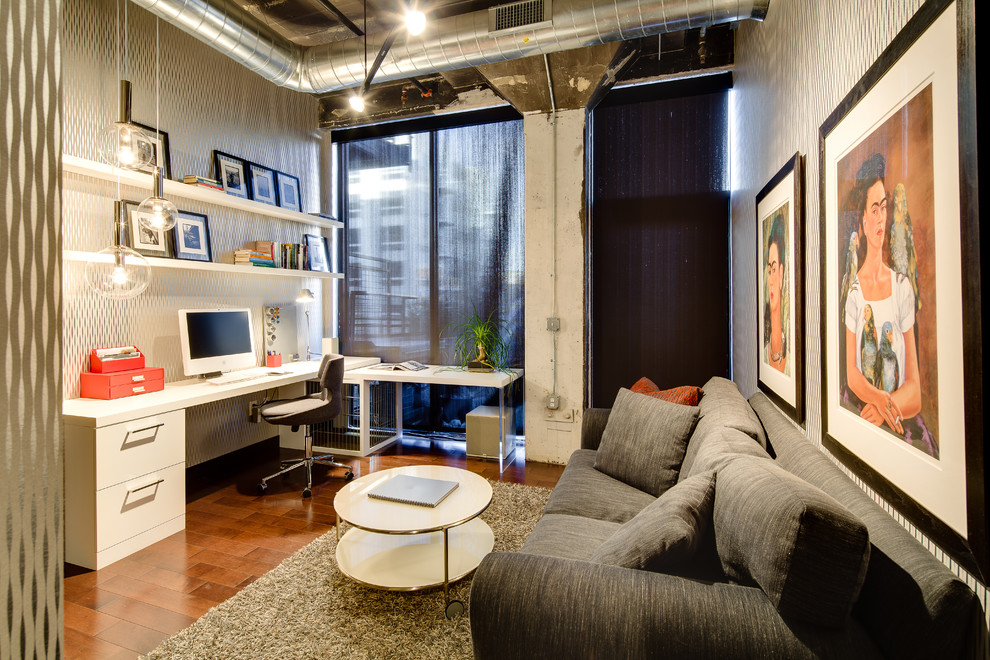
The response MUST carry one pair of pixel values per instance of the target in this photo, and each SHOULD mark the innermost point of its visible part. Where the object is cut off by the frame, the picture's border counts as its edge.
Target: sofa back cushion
(805, 550)
(666, 534)
(911, 604)
(727, 407)
(712, 445)
(644, 441)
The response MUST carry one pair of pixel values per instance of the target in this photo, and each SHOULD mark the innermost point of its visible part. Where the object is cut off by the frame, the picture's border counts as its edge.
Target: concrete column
(555, 257)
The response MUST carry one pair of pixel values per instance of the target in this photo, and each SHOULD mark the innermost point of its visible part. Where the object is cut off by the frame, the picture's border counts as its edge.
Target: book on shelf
(192, 178)
(408, 365)
(407, 489)
(205, 185)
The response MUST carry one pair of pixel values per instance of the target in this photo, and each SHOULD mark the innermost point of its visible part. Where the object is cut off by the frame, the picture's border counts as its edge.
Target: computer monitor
(216, 340)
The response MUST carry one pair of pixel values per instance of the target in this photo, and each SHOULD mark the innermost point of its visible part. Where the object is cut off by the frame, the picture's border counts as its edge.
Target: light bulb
(157, 213)
(357, 102)
(126, 146)
(118, 272)
(415, 22)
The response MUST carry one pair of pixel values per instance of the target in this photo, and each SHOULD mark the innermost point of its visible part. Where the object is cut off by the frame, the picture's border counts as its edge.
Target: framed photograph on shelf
(288, 191)
(780, 283)
(319, 254)
(147, 241)
(191, 237)
(262, 184)
(231, 172)
(162, 156)
(900, 282)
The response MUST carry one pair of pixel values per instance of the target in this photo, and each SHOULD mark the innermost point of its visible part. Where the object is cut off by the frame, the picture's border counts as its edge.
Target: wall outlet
(553, 402)
(254, 412)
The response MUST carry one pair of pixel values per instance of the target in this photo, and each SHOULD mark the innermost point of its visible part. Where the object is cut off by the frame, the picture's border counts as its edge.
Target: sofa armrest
(531, 606)
(592, 426)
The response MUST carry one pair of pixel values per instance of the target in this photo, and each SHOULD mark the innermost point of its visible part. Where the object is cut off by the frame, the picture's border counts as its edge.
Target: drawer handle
(145, 428)
(139, 388)
(140, 488)
(137, 379)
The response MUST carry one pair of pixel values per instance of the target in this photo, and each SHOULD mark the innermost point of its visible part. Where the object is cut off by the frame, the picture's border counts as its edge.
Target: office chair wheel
(348, 476)
(307, 492)
(455, 608)
(262, 487)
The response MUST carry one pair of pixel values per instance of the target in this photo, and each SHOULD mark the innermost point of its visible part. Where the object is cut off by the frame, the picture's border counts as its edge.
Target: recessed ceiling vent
(519, 14)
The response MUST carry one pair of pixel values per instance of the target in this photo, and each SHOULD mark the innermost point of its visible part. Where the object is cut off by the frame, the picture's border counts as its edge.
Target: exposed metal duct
(454, 42)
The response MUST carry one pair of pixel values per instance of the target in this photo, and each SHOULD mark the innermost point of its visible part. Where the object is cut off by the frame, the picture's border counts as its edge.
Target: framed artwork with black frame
(902, 397)
(780, 283)
(262, 184)
(163, 156)
(231, 172)
(149, 242)
(319, 253)
(191, 237)
(288, 191)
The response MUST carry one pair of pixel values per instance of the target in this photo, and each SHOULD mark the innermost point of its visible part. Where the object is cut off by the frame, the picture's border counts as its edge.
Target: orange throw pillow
(686, 395)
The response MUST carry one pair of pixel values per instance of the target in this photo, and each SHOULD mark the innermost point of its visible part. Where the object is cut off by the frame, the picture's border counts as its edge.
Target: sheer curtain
(434, 233)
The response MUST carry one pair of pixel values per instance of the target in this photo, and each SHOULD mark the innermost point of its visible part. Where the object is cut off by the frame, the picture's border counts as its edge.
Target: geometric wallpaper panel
(31, 469)
(207, 102)
(790, 73)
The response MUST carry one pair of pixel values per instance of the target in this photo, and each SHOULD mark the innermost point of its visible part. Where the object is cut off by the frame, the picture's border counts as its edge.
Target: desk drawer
(130, 449)
(135, 506)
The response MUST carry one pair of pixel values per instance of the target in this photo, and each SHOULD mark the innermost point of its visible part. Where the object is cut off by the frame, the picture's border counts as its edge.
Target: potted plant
(479, 344)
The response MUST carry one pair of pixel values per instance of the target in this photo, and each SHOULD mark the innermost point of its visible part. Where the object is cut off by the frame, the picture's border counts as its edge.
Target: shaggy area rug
(305, 607)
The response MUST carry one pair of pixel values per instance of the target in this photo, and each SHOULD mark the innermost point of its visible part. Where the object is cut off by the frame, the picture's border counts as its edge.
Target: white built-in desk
(125, 462)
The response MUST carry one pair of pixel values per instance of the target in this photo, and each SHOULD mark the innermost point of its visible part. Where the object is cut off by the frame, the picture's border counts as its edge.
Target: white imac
(216, 340)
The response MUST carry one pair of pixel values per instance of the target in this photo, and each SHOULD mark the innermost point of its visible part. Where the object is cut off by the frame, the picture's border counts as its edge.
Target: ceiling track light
(415, 22)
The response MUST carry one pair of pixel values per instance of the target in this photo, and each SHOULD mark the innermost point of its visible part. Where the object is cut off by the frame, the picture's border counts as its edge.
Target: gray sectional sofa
(776, 553)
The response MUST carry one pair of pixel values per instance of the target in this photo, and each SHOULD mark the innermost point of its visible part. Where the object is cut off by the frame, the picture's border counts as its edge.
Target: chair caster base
(307, 492)
(348, 476)
(262, 487)
(455, 608)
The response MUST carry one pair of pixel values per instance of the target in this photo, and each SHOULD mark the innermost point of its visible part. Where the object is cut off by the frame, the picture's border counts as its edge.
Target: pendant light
(156, 212)
(118, 272)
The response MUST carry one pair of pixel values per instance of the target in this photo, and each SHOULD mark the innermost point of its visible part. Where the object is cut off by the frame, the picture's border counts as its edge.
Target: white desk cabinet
(125, 486)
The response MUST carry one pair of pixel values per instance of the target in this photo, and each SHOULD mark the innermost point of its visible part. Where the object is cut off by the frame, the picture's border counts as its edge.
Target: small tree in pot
(479, 343)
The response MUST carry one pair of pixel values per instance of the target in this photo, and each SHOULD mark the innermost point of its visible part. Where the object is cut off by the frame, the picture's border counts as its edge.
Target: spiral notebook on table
(407, 489)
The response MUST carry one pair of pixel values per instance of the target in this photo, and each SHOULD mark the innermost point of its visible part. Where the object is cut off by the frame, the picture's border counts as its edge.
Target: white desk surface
(439, 375)
(95, 413)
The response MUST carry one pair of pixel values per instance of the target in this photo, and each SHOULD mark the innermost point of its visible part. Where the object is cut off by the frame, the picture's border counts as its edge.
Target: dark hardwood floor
(233, 535)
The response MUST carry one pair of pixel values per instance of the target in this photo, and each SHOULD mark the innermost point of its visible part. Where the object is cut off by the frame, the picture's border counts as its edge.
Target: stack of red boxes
(119, 372)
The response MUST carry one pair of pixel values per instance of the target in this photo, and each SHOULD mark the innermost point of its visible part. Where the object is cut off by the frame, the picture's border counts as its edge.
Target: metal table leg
(454, 608)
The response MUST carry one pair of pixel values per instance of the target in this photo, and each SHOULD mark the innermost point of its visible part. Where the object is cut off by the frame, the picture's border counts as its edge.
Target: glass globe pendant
(156, 212)
(118, 272)
(122, 144)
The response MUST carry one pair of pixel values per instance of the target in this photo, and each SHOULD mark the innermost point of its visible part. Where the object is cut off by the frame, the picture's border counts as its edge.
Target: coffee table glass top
(469, 499)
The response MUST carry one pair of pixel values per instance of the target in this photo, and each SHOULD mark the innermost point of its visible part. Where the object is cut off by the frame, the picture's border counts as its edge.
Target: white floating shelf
(77, 165)
(183, 264)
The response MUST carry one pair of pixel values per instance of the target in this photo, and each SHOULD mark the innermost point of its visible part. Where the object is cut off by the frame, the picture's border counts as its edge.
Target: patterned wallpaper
(30, 338)
(207, 102)
(791, 72)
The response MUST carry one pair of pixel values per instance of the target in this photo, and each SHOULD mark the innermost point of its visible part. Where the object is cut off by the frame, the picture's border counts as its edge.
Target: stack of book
(202, 182)
(253, 258)
(295, 256)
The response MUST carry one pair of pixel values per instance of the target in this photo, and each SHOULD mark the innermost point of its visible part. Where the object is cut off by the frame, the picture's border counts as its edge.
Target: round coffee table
(406, 547)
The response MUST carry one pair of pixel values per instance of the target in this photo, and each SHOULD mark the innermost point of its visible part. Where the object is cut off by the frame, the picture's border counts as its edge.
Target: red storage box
(122, 383)
(106, 366)
(273, 361)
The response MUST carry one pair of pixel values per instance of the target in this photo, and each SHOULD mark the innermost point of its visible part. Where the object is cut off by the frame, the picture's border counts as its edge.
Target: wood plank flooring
(233, 536)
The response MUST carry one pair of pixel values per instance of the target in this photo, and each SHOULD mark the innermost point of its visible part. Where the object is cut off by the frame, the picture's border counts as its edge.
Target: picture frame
(318, 252)
(163, 155)
(191, 237)
(231, 172)
(146, 241)
(288, 191)
(909, 422)
(263, 187)
(780, 287)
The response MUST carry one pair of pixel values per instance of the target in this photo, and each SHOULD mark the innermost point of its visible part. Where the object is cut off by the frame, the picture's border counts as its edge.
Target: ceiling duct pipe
(454, 42)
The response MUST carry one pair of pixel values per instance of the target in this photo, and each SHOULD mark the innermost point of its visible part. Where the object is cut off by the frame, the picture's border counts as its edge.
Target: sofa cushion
(665, 534)
(644, 441)
(569, 537)
(727, 407)
(686, 395)
(712, 445)
(806, 551)
(584, 491)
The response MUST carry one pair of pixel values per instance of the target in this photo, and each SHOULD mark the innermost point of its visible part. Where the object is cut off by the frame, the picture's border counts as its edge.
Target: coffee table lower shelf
(408, 562)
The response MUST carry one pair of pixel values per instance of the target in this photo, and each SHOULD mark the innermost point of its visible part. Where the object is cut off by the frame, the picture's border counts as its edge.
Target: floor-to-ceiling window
(434, 232)
(659, 244)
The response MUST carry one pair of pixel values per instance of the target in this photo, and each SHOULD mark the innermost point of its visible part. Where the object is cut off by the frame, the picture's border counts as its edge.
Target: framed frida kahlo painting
(901, 335)
(780, 286)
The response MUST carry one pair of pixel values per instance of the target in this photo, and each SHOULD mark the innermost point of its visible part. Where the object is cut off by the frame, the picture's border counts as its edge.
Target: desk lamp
(306, 296)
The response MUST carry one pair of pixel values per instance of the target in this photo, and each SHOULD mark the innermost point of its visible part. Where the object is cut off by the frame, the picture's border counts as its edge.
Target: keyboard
(237, 376)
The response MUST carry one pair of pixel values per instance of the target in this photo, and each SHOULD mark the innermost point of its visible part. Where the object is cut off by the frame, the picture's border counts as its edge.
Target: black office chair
(311, 409)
